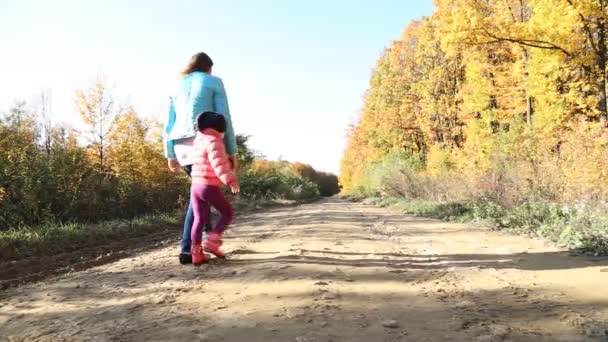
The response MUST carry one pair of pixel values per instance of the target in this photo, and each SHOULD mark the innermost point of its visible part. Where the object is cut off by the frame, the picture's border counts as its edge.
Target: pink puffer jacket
(211, 165)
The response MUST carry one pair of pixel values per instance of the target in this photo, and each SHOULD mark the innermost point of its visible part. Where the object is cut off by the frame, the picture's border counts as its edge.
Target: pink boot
(213, 243)
(198, 257)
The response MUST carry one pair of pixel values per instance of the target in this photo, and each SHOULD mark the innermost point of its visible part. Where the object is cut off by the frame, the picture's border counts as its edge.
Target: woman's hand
(235, 188)
(173, 165)
(234, 162)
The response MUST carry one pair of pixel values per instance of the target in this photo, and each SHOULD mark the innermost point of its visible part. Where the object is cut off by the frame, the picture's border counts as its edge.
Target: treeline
(495, 101)
(272, 179)
(114, 168)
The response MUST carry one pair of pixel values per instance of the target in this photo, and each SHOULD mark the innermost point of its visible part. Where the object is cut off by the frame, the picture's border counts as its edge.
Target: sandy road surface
(329, 271)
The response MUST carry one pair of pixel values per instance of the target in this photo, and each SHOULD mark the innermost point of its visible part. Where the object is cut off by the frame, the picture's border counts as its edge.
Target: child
(210, 170)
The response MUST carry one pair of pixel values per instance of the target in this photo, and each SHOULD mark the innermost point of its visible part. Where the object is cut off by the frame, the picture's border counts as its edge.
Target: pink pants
(203, 196)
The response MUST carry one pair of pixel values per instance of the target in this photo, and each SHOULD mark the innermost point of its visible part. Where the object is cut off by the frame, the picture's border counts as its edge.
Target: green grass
(583, 228)
(53, 239)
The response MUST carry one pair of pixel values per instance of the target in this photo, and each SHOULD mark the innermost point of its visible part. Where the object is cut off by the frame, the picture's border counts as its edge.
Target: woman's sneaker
(198, 257)
(185, 258)
(213, 243)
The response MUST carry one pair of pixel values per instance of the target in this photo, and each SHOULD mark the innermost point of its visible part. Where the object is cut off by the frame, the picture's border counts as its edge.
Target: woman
(198, 92)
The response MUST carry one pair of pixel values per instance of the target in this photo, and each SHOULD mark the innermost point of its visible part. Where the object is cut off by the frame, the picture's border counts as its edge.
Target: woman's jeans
(189, 220)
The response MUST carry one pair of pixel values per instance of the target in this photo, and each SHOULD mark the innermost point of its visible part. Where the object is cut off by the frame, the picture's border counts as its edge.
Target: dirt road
(330, 271)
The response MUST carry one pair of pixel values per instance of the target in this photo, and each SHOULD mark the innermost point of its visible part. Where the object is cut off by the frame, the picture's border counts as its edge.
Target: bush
(51, 239)
(328, 183)
(584, 228)
(520, 190)
(54, 179)
(275, 180)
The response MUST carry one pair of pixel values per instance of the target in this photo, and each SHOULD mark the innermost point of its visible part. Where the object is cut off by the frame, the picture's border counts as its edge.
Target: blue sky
(295, 71)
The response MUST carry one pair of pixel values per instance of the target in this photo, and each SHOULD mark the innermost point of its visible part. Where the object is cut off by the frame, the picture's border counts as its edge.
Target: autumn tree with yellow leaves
(495, 99)
(97, 109)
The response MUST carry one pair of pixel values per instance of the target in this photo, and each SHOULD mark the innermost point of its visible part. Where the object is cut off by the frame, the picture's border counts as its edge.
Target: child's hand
(235, 188)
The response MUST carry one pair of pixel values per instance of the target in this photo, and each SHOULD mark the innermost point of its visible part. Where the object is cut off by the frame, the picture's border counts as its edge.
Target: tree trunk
(529, 99)
(529, 110)
(601, 61)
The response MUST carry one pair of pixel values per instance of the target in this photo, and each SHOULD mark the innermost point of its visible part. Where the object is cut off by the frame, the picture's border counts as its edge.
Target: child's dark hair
(211, 120)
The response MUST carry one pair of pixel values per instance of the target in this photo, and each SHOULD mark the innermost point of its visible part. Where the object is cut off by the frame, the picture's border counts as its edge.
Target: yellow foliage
(262, 166)
(508, 94)
(440, 161)
(97, 110)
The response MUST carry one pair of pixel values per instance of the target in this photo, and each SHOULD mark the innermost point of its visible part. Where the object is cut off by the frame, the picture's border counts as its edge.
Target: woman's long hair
(199, 62)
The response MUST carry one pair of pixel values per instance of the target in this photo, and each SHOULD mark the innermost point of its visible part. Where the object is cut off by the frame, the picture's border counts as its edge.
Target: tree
(19, 162)
(127, 150)
(246, 154)
(459, 93)
(305, 171)
(328, 184)
(575, 30)
(97, 109)
(496, 69)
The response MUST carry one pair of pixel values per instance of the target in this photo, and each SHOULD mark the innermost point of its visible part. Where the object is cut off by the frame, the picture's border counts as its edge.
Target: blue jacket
(198, 92)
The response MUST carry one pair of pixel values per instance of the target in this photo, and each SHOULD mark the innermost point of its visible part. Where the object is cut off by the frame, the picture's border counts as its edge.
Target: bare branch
(585, 26)
(540, 44)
